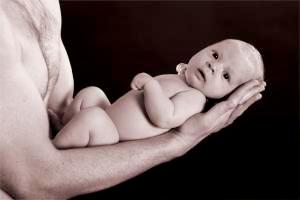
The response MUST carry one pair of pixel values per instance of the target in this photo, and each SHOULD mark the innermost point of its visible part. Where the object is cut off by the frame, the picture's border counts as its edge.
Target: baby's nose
(211, 66)
(215, 67)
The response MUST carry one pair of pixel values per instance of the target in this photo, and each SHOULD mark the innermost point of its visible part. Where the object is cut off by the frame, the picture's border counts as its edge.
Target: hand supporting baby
(219, 116)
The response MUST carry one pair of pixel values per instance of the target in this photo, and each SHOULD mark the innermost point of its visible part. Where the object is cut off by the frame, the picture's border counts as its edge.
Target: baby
(158, 104)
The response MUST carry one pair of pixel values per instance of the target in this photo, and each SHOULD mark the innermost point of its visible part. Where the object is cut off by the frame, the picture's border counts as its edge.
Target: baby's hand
(140, 80)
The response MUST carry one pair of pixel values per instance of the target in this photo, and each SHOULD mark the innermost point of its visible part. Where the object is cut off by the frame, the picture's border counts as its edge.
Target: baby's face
(218, 69)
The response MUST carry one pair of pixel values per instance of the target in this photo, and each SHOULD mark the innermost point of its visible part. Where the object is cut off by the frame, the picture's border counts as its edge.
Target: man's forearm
(93, 169)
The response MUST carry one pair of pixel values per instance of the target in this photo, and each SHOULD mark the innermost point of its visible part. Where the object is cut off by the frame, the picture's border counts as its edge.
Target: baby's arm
(167, 112)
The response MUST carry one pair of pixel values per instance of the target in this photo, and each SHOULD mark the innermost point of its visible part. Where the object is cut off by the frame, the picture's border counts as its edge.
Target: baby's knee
(91, 91)
(92, 96)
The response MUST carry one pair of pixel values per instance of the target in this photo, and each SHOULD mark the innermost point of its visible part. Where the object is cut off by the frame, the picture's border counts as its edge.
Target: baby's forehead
(229, 45)
(241, 55)
(232, 50)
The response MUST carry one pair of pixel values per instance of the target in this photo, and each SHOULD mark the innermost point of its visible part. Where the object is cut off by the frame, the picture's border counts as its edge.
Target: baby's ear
(180, 68)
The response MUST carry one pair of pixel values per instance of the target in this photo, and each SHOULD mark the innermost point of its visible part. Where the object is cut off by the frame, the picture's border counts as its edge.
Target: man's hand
(218, 117)
(140, 80)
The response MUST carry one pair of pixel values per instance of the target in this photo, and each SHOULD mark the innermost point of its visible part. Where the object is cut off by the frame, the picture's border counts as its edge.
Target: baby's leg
(89, 127)
(86, 98)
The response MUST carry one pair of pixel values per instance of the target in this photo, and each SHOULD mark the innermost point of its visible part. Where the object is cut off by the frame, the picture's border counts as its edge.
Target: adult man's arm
(221, 115)
(32, 168)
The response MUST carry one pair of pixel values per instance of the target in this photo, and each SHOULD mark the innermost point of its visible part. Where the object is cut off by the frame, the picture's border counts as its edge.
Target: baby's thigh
(86, 98)
(98, 124)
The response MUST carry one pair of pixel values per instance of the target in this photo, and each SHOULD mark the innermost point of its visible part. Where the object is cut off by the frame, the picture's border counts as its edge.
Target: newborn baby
(157, 104)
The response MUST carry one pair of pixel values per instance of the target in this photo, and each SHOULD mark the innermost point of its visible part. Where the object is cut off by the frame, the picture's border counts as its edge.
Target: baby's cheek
(214, 92)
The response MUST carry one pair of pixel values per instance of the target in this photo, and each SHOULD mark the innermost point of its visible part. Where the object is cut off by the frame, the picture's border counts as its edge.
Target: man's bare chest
(36, 37)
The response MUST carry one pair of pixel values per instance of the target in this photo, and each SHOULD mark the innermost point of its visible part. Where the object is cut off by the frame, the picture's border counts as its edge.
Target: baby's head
(220, 68)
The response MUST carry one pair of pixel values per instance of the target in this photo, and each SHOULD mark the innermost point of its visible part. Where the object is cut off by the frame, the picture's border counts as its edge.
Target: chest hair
(47, 30)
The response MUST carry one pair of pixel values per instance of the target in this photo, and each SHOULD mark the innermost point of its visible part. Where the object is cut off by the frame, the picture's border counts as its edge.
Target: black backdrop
(257, 156)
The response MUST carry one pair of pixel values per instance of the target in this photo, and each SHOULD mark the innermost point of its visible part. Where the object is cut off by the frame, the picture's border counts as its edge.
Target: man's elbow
(32, 187)
(35, 183)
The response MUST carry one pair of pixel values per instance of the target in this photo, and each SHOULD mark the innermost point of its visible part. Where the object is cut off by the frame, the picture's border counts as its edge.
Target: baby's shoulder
(171, 79)
(171, 83)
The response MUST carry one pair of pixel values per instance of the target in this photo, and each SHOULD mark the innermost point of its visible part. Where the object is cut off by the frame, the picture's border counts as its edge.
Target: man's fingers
(252, 92)
(243, 89)
(247, 89)
(242, 108)
(221, 122)
(231, 109)
(245, 96)
(220, 109)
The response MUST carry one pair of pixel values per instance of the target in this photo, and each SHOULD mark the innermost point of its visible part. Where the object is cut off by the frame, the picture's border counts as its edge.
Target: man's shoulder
(41, 10)
(49, 12)
(49, 5)
(53, 7)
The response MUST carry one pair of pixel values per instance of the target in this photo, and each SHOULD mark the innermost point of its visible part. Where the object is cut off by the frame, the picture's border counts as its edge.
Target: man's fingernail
(259, 96)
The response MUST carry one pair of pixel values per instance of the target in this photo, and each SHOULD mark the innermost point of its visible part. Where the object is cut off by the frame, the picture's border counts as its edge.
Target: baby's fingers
(140, 80)
(133, 86)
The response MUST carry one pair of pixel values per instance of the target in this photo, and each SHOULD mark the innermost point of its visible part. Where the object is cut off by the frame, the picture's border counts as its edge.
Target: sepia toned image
(149, 99)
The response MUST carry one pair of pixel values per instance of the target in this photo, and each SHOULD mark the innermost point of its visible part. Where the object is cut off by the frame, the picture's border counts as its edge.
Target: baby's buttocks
(129, 115)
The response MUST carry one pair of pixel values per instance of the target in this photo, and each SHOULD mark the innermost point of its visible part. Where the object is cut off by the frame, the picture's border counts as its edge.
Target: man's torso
(30, 39)
(36, 36)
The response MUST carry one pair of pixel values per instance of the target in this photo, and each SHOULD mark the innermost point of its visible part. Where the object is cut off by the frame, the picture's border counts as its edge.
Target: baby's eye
(226, 76)
(215, 55)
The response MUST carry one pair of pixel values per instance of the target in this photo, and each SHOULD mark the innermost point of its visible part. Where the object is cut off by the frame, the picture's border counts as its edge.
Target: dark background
(256, 157)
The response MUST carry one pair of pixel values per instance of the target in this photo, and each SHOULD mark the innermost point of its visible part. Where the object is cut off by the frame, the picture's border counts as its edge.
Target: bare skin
(168, 102)
(4, 195)
(32, 55)
(160, 103)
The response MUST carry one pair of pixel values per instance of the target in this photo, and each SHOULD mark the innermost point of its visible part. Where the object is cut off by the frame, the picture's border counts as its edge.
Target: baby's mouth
(201, 73)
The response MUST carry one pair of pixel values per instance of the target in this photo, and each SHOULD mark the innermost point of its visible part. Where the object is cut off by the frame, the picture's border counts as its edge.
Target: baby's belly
(129, 115)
